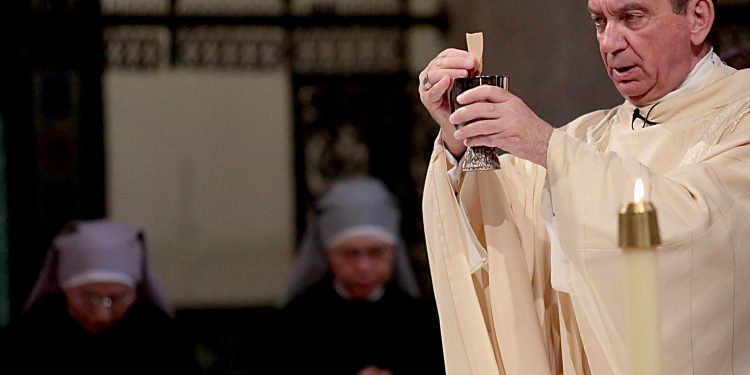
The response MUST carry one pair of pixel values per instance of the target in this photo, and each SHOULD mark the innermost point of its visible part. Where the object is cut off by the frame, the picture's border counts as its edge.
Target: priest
(527, 272)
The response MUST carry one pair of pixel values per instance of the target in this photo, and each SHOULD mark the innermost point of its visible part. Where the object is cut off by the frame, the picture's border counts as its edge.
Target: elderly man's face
(361, 264)
(645, 46)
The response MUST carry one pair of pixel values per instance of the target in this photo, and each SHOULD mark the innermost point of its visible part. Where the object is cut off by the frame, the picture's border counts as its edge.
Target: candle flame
(638, 191)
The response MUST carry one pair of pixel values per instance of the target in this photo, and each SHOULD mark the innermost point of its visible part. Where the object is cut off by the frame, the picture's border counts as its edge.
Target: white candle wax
(639, 236)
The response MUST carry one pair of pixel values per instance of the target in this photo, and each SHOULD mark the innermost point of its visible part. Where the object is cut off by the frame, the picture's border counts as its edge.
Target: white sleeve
(454, 172)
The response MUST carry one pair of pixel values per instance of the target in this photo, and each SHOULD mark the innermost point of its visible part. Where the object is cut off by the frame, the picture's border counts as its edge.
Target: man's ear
(701, 14)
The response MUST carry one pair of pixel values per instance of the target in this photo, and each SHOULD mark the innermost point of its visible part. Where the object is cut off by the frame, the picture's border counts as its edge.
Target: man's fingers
(429, 78)
(449, 54)
(485, 93)
(453, 62)
(506, 142)
(479, 128)
(466, 62)
(475, 111)
(436, 93)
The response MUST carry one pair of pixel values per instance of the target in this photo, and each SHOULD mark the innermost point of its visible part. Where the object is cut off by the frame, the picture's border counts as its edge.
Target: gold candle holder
(638, 226)
(638, 238)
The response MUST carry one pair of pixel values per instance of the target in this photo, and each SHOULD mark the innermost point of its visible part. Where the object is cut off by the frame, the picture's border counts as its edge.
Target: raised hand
(497, 118)
(435, 81)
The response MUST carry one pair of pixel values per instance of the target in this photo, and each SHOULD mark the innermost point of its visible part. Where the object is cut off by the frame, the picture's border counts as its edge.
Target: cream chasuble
(506, 318)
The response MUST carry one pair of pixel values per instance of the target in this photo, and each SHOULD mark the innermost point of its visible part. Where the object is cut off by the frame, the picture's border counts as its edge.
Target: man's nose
(612, 39)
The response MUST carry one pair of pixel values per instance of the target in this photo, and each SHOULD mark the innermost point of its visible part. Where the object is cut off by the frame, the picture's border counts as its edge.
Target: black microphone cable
(646, 121)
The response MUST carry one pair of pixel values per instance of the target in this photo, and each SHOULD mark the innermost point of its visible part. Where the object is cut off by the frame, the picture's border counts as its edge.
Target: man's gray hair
(679, 6)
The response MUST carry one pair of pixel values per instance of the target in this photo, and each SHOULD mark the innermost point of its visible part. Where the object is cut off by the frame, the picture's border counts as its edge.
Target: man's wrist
(454, 146)
(544, 145)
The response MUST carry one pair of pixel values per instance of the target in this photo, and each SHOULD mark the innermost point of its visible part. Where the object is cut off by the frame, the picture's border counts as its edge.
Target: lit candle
(639, 236)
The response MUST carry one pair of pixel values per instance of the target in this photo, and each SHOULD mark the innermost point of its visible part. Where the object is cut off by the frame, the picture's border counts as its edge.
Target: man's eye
(600, 23)
(633, 17)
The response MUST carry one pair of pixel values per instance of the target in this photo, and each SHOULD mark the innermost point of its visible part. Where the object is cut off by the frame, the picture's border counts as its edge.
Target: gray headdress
(99, 251)
(355, 206)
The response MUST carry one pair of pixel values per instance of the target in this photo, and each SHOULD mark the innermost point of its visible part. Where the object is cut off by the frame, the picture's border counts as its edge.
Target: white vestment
(507, 318)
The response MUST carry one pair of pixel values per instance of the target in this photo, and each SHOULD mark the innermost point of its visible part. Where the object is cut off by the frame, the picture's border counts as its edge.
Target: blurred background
(214, 124)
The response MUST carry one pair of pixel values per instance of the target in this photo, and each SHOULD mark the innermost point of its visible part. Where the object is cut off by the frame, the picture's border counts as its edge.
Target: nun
(96, 308)
(353, 305)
